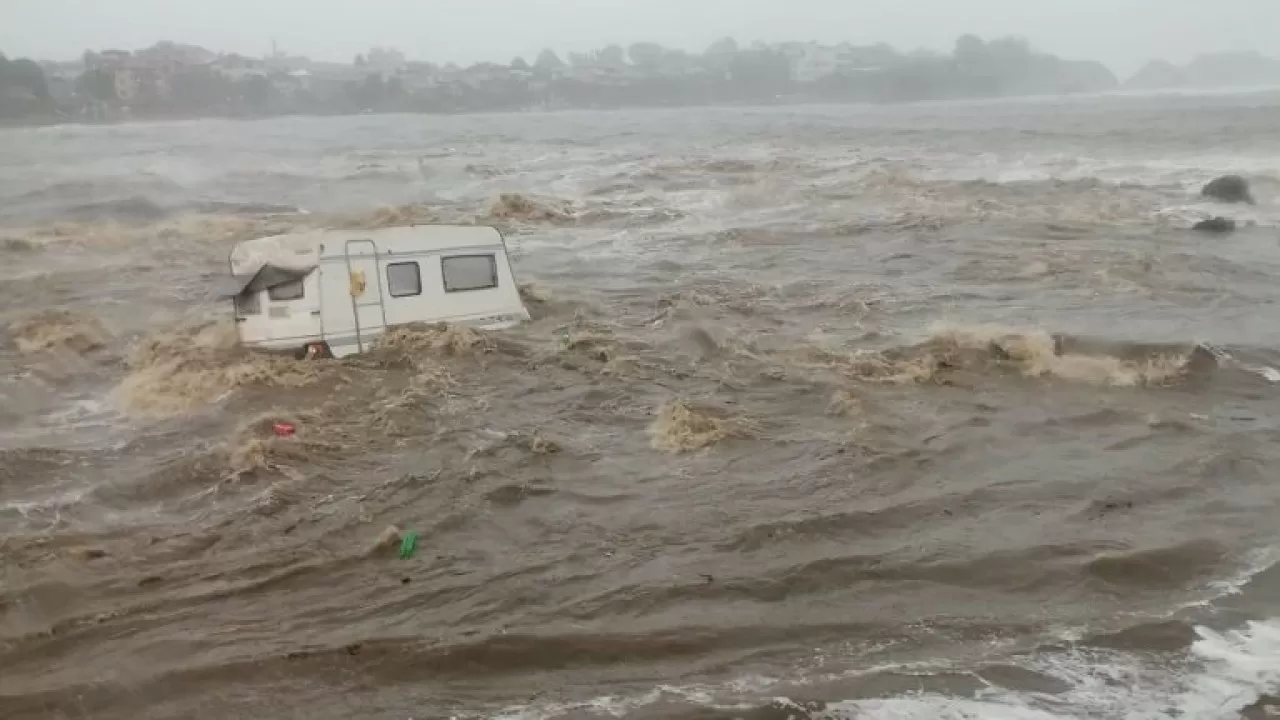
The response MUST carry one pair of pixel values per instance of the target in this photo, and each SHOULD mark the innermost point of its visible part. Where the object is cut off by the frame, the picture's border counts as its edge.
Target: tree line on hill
(24, 90)
(643, 74)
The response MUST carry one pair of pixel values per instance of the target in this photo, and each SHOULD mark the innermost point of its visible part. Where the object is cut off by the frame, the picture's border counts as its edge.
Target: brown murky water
(930, 412)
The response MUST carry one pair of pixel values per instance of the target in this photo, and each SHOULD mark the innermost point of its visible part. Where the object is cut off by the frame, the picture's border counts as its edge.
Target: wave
(392, 216)
(97, 189)
(56, 330)
(523, 208)
(1227, 674)
(230, 207)
(415, 344)
(175, 371)
(882, 198)
(137, 208)
(204, 225)
(141, 209)
(137, 198)
(951, 350)
(1222, 675)
(682, 427)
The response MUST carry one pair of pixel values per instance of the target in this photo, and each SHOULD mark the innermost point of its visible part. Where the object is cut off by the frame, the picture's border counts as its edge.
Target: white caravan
(334, 291)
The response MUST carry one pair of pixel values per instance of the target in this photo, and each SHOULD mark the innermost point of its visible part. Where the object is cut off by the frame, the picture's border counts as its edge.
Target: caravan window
(469, 272)
(248, 304)
(288, 291)
(404, 279)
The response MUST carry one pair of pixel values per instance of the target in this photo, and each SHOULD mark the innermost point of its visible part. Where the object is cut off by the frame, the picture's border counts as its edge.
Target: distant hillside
(1217, 70)
(1158, 75)
(176, 80)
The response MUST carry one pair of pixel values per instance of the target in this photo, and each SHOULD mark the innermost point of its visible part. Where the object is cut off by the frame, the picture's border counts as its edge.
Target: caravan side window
(404, 279)
(248, 304)
(469, 272)
(292, 290)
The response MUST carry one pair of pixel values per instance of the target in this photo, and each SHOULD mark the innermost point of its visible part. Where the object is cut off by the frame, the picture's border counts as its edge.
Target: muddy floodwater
(934, 411)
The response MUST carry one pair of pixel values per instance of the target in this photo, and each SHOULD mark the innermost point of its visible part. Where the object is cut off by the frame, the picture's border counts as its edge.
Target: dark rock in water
(1215, 225)
(1228, 188)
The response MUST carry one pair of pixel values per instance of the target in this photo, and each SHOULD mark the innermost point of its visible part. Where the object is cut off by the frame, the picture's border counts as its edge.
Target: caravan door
(352, 304)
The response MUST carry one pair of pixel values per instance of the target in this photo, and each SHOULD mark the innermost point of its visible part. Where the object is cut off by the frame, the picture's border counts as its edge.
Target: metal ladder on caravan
(359, 285)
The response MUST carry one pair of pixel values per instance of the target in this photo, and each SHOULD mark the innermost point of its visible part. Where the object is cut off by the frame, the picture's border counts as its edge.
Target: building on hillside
(811, 62)
(149, 72)
(238, 67)
(169, 58)
(300, 79)
(62, 79)
(387, 62)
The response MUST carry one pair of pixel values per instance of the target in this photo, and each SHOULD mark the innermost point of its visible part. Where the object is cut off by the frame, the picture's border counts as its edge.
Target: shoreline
(63, 120)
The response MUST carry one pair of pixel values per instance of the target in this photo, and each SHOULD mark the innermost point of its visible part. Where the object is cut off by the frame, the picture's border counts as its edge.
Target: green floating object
(408, 545)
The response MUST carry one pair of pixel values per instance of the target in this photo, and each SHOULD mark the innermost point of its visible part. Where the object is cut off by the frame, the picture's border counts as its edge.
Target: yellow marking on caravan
(357, 283)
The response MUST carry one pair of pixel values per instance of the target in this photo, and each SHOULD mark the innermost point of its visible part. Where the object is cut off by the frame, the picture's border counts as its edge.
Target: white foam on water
(619, 706)
(1267, 372)
(45, 513)
(1254, 563)
(1189, 172)
(81, 422)
(1222, 673)
(913, 708)
(1245, 216)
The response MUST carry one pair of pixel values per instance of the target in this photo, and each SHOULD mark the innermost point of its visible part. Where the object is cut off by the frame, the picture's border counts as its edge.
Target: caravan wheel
(315, 351)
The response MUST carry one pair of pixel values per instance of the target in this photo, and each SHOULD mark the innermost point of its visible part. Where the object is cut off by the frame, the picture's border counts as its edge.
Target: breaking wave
(414, 344)
(393, 216)
(176, 371)
(982, 349)
(55, 330)
(515, 206)
(1226, 676)
(680, 427)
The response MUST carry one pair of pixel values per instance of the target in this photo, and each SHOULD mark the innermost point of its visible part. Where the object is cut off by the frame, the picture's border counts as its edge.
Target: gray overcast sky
(1122, 33)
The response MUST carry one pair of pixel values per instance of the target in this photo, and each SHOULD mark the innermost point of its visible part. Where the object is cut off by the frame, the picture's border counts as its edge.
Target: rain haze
(639, 360)
(1121, 33)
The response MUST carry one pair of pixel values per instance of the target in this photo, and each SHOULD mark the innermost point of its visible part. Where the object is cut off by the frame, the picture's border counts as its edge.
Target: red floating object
(284, 429)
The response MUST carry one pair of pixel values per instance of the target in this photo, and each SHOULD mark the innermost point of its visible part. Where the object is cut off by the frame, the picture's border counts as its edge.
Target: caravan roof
(302, 250)
(413, 238)
(294, 250)
(266, 262)
(267, 277)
